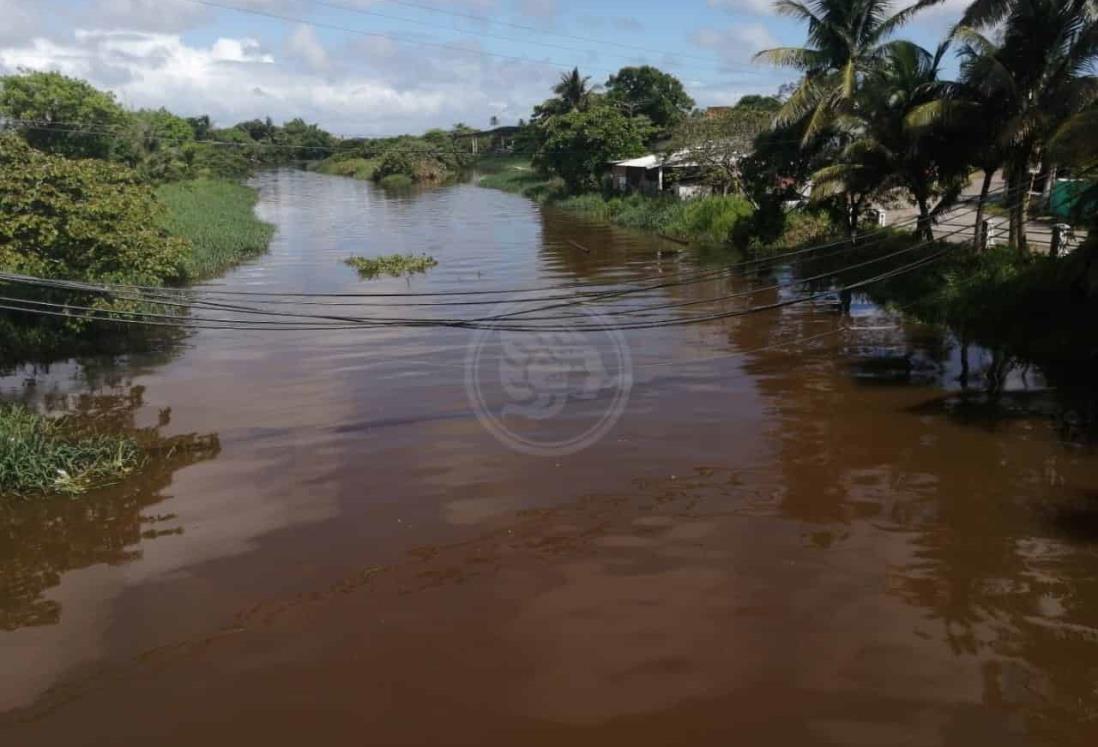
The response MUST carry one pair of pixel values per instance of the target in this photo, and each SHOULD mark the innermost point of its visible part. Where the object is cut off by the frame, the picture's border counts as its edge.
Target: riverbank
(100, 222)
(707, 220)
(217, 219)
(1040, 308)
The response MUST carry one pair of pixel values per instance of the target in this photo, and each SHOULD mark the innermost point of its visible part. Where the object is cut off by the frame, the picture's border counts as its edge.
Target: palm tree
(1033, 83)
(883, 152)
(573, 90)
(848, 41)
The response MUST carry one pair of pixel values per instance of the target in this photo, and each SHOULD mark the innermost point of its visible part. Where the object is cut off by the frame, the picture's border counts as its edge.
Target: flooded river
(809, 526)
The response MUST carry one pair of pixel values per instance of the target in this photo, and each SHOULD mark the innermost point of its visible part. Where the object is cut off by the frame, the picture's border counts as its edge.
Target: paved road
(1039, 232)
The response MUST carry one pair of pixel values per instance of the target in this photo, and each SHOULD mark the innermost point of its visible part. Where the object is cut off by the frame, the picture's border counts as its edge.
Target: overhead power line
(407, 40)
(502, 322)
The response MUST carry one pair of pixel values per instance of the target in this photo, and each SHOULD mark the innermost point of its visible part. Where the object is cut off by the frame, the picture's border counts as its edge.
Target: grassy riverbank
(356, 168)
(708, 220)
(217, 219)
(43, 456)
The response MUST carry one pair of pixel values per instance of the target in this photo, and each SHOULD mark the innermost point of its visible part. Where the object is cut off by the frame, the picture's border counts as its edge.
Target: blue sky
(371, 67)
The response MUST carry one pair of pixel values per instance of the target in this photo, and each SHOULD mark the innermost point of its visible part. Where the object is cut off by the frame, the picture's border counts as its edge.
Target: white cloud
(304, 45)
(20, 20)
(386, 88)
(737, 44)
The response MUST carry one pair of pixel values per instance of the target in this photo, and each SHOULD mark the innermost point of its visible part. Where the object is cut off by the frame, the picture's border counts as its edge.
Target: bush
(708, 219)
(78, 220)
(397, 181)
(81, 219)
(357, 168)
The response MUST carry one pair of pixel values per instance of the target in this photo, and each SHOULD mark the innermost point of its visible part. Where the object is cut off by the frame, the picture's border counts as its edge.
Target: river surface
(809, 526)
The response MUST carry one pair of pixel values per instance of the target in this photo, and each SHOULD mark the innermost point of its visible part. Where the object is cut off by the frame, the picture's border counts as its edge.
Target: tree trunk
(925, 231)
(978, 238)
(1018, 201)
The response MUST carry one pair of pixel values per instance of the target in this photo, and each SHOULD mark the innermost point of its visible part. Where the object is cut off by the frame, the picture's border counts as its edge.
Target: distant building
(676, 173)
(714, 112)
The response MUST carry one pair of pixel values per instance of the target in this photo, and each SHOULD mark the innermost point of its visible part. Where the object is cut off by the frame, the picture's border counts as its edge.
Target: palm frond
(798, 58)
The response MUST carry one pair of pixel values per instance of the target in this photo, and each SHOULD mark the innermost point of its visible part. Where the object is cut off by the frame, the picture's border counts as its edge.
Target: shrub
(396, 181)
(81, 219)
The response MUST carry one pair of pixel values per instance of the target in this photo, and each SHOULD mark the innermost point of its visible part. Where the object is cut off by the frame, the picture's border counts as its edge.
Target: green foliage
(709, 220)
(357, 168)
(510, 174)
(396, 182)
(579, 145)
(61, 107)
(42, 455)
(393, 265)
(649, 92)
(81, 219)
(217, 218)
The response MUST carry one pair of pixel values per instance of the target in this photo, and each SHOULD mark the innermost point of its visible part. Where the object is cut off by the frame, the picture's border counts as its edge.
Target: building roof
(644, 162)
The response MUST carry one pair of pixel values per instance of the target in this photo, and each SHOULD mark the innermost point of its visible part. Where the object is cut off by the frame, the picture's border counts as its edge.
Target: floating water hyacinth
(391, 265)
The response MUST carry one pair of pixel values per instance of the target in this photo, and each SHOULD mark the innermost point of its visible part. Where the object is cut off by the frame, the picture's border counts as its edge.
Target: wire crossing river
(815, 525)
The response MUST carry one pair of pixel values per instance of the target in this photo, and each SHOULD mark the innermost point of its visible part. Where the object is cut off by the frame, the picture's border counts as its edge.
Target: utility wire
(154, 293)
(346, 322)
(392, 37)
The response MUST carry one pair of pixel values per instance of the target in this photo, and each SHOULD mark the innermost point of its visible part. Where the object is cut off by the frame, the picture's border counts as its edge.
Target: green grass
(43, 456)
(708, 220)
(218, 219)
(392, 265)
(356, 168)
(513, 174)
(397, 181)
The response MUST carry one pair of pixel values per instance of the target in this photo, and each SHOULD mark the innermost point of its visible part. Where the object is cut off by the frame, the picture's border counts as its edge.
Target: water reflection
(42, 539)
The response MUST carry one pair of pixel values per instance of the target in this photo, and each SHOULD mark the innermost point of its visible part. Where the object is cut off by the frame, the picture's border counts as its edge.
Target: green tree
(884, 150)
(650, 92)
(847, 42)
(573, 91)
(61, 115)
(719, 144)
(579, 146)
(761, 103)
(1033, 83)
(81, 219)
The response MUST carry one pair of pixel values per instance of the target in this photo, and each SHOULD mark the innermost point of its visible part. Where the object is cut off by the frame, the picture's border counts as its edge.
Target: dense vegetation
(217, 219)
(44, 455)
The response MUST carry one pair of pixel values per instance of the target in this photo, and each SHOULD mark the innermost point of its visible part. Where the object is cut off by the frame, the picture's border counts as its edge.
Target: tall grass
(708, 219)
(42, 455)
(218, 219)
(356, 168)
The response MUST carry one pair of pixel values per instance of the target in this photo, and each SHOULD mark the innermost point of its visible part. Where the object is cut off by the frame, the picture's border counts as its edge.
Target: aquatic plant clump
(391, 265)
(42, 455)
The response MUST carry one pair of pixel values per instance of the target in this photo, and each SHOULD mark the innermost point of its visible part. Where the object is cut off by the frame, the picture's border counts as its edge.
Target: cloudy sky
(373, 67)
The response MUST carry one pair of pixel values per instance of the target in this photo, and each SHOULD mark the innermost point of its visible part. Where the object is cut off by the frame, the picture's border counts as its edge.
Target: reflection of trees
(960, 504)
(42, 539)
(593, 250)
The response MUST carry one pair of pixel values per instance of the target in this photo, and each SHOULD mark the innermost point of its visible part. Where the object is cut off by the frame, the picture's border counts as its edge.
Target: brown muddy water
(829, 543)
